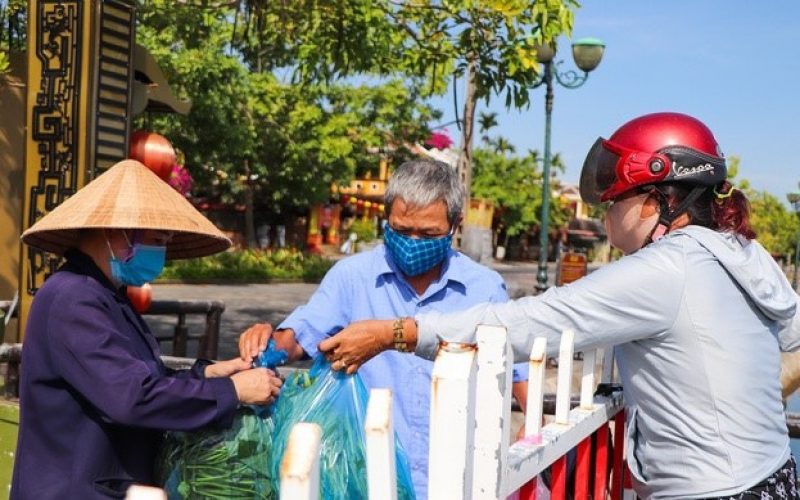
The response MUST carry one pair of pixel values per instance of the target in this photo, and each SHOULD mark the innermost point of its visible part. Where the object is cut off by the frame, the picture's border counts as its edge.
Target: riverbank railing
(208, 339)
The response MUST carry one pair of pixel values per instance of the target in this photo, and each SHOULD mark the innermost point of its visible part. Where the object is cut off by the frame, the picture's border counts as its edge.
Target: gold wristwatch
(399, 338)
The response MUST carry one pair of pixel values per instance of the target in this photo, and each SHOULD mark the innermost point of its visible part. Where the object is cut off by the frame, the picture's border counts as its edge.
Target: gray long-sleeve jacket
(700, 318)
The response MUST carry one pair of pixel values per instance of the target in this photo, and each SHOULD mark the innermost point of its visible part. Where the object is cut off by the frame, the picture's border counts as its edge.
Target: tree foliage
(248, 129)
(432, 39)
(776, 227)
(289, 97)
(13, 26)
(498, 37)
(492, 43)
(514, 183)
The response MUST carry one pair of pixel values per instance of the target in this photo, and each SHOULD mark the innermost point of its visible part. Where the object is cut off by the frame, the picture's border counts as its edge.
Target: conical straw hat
(128, 195)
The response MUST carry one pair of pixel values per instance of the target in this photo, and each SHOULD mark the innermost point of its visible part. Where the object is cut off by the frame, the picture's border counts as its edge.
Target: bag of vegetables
(243, 462)
(338, 404)
(233, 463)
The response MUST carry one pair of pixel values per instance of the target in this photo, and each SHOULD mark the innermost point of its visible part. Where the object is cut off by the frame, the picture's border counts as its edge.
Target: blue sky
(733, 64)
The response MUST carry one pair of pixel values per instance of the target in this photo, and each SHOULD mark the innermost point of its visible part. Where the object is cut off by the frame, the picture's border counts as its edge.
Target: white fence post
(141, 492)
(381, 467)
(300, 463)
(492, 412)
(564, 387)
(452, 422)
(587, 380)
(536, 378)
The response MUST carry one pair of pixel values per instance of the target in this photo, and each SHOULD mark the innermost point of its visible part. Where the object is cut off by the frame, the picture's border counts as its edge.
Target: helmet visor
(599, 172)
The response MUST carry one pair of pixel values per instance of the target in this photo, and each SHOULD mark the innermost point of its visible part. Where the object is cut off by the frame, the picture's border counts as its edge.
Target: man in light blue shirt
(415, 271)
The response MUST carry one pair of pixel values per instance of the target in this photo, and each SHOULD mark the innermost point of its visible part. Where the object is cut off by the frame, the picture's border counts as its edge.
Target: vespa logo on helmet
(682, 171)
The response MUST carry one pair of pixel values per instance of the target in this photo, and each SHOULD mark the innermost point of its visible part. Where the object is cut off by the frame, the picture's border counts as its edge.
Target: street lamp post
(794, 199)
(587, 53)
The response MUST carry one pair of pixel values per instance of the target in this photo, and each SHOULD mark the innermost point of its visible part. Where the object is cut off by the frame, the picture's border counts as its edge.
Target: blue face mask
(415, 256)
(143, 266)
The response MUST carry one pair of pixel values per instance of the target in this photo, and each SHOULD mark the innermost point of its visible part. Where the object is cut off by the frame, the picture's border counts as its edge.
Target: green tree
(13, 26)
(252, 137)
(492, 43)
(486, 122)
(514, 184)
(776, 227)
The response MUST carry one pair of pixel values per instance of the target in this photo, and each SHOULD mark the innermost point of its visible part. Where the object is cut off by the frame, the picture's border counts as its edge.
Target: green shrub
(250, 265)
(365, 230)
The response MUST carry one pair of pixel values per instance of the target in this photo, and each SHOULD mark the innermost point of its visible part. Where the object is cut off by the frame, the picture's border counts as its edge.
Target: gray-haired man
(416, 270)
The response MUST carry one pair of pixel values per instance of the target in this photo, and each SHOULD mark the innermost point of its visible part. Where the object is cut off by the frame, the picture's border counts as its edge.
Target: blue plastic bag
(233, 463)
(338, 404)
(244, 461)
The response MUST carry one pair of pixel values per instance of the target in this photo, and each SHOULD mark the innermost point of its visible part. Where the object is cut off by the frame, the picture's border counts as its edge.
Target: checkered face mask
(414, 256)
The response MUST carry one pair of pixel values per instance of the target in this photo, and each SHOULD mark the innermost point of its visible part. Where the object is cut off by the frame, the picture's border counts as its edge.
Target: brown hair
(723, 208)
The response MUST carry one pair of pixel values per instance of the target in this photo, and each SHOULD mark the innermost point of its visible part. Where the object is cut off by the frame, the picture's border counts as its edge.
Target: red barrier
(619, 440)
(601, 463)
(528, 490)
(558, 483)
(582, 469)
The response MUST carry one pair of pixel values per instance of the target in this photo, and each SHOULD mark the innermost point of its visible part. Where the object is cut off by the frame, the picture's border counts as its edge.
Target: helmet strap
(667, 216)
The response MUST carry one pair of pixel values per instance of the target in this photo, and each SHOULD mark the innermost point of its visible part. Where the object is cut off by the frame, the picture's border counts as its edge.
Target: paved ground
(248, 304)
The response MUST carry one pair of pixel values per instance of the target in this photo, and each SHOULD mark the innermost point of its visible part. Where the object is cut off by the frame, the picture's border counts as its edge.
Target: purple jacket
(95, 397)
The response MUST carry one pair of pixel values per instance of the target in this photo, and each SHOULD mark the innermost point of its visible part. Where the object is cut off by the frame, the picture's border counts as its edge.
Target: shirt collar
(451, 269)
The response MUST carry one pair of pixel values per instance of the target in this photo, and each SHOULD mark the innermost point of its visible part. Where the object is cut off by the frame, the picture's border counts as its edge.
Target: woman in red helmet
(699, 312)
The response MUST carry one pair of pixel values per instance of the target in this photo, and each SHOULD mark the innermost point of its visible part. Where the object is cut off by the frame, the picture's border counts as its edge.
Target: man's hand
(227, 368)
(356, 344)
(257, 386)
(254, 340)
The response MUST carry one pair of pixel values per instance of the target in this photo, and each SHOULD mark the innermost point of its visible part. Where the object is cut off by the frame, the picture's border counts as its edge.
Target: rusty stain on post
(455, 347)
(301, 451)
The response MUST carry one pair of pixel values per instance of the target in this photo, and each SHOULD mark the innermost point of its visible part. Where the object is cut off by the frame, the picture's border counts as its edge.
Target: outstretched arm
(361, 341)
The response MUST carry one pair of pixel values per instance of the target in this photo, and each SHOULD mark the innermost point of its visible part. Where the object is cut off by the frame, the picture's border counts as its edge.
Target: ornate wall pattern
(80, 71)
(54, 121)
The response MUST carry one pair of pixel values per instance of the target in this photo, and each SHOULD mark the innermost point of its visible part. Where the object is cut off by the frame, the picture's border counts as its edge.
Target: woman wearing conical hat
(95, 397)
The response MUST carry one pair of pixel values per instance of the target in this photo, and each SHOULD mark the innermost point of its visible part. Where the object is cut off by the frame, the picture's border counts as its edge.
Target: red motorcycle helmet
(648, 150)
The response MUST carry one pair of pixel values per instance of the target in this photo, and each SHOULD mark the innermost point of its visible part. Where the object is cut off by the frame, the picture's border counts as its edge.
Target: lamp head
(545, 53)
(587, 53)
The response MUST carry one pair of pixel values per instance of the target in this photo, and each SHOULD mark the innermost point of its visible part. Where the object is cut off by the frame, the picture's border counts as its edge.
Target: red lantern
(140, 297)
(154, 151)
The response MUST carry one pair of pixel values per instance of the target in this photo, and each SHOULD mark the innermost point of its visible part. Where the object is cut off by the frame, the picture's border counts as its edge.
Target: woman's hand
(357, 343)
(257, 386)
(254, 340)
(226, 368)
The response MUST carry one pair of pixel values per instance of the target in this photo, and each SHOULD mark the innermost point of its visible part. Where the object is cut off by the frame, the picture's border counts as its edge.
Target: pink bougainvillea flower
(180, 179)
(439, 140)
